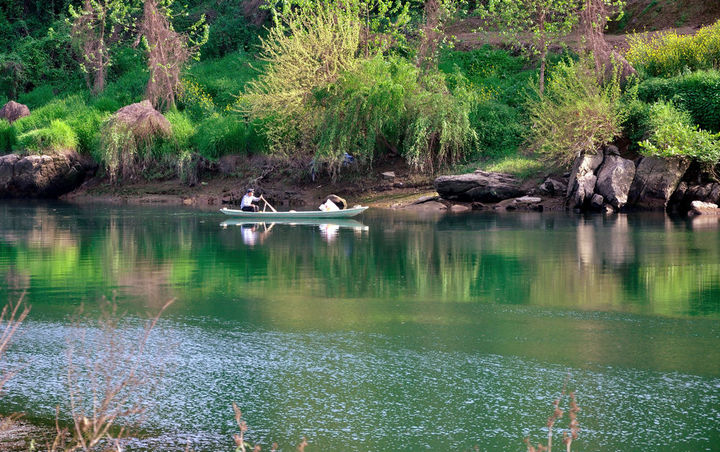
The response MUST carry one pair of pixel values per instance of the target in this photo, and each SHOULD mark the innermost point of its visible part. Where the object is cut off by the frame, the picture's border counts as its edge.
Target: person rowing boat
(248, 201)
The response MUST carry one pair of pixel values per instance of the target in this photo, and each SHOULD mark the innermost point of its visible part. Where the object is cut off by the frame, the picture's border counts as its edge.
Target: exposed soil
(277, 184)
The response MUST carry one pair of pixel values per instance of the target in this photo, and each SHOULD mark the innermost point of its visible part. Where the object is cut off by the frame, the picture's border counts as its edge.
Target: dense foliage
(576, 114)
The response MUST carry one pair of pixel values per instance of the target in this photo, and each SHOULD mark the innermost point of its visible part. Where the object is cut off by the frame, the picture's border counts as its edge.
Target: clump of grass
(8, 137)
(522, 167)
(57, 136)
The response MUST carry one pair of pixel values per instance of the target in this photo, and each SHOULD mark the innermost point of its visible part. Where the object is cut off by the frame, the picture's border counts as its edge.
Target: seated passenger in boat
(333, 202)
(248, 202)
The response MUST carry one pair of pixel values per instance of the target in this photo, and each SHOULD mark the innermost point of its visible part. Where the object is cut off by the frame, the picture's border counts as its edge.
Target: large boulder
(655, 181)
(614, 179)
(12, 111)
(480, 186)
(43, 176)
(581, 185)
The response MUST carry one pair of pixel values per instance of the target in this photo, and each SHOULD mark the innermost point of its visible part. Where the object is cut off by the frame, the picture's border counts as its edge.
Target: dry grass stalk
(569, 435)
(112, 375)
(11, 317)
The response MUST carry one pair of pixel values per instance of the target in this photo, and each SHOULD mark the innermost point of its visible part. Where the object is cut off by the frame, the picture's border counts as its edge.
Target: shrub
(698, 93)
(501, 81)
(8, 137)
(576, 114)
(58, 136)
(672, 134)
(671, 54)
(309, 48)
(221, 135)
(501, 129)
(388, 104)
(636, 121)
(37, 97)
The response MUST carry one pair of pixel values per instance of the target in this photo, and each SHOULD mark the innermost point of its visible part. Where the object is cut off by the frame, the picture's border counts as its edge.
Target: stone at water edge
(553, 187)
(655, 181)
(43, 176)
(614, 180)
(703, 208)
(459, 208)
(596, 202)
(7, 170)
(581, 185)
(481, 186)
(388, 174)
(528, 200)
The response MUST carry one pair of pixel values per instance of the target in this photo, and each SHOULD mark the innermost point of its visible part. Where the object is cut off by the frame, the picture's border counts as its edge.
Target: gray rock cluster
(606, 181)
(43, 176)
(480, 186)
(603, 181)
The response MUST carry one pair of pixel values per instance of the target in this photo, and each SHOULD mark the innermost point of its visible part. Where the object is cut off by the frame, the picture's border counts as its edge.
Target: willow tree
(95, 27)
(168, 52)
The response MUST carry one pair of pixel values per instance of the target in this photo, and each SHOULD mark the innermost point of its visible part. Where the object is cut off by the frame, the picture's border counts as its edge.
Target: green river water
(395, 332)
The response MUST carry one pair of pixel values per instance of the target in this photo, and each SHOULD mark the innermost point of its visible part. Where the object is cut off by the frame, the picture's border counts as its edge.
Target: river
(392, 332)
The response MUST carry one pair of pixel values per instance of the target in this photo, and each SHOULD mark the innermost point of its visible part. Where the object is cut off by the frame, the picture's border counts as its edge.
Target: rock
(596, 202)
(12, 111)
(430, 206)
(43, 176)
(528, 200)
(479, 206)
(553, 187)
(481, 186)
(459, 208)
(703, 208)
(611, 149)
(423, 199)
(614, 179)
(581, 185)
(7, 170)
(655, 181)
(388, 174)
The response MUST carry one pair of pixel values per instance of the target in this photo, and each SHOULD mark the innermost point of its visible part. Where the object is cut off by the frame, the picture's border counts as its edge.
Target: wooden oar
(267, 204)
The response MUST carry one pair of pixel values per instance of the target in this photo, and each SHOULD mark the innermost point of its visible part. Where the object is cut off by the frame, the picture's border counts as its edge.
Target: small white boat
(339, 222)
(314, 214)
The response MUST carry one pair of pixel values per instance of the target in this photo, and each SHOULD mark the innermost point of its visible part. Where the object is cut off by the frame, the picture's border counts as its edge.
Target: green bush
(697, 92)
(672, 134)
(636, 122)
(128, 89)
(387, 104)
(8, 137)
(58, 136)
(500, 80)
(501, 128)
(37, 97)
(575, 114)
(221, 135)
